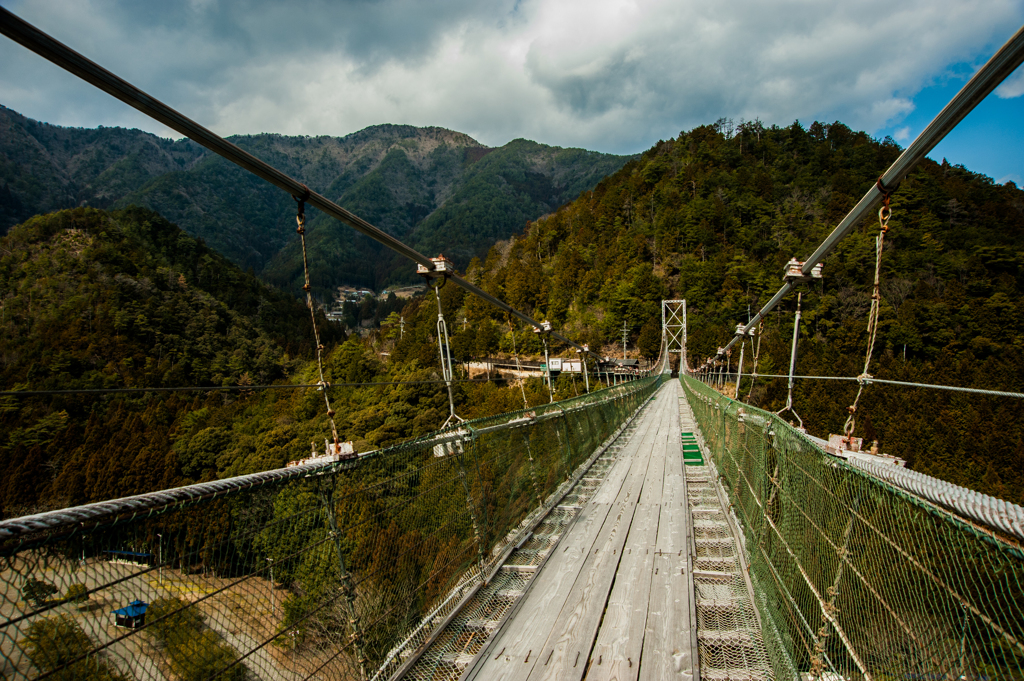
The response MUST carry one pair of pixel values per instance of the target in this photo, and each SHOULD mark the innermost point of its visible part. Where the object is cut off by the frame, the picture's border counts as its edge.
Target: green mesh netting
(341, 573)
(852, 575)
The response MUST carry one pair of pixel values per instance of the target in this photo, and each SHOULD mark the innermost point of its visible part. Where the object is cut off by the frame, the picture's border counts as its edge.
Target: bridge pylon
(673, 330)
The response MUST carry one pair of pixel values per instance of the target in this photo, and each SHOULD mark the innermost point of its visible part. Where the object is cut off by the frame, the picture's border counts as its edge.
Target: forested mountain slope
(46, 167)
(713, 215)
(96, 300)
(429, 186)
(91, 299)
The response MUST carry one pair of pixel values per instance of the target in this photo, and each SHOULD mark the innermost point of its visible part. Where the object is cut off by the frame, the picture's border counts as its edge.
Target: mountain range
(436, 189)
(711, 216)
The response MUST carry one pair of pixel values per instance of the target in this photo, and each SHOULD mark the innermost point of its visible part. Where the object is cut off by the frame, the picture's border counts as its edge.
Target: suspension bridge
(654, 529)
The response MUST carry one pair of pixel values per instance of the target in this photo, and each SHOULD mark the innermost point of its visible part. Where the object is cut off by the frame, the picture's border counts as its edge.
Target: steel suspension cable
(63, 56)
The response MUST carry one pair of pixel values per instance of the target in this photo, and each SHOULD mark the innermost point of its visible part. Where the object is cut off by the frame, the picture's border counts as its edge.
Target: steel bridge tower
(673, 330)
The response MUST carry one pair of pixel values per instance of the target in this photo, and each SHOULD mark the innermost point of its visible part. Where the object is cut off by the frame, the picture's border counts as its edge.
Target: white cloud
(1012, 86)
(614, 75)
(902, 134)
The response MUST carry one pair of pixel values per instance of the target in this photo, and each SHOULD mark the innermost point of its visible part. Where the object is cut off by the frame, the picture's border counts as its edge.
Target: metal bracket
(443, 267)
(794, 273)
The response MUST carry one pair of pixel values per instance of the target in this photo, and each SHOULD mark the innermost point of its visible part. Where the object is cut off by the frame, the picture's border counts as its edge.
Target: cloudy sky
(609, 75)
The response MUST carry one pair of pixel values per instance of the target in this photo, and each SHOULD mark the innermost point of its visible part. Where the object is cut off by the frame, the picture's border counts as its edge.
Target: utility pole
(160, 556)
(624, 332)
(547, 369)
(544, 329)
(586, 374)
(401, 325)
(273, 596)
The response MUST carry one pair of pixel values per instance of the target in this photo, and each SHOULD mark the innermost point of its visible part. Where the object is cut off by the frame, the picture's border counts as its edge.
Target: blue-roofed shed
(131, 557)
(132, 615)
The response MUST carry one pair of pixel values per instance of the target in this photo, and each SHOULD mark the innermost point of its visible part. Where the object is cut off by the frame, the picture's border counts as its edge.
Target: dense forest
(91, 299)
(95, 299)
(437, 189)
(713, 216)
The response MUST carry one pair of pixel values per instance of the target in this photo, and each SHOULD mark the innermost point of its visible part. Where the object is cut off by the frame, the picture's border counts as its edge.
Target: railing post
(547, 370)
(469, 506)
(533, 472)
(566, 450)
(327, 499)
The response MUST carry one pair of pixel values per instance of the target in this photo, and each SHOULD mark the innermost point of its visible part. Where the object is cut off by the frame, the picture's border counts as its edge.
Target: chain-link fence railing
(853, 575)
(315, 571)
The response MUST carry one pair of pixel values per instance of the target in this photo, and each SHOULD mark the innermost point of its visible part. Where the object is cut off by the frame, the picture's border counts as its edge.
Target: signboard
(556, 365)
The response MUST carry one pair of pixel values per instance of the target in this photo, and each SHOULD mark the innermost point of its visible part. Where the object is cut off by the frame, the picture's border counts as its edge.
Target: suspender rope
(739, 371)
(884, 213)
(300, 219)
(792, 363)
(519, 369)
(547, 369)
(446, 356)
(757, 355)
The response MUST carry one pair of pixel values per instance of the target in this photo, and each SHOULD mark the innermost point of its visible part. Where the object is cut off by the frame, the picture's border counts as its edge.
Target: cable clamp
(864, 379)
(794, 272)
(300, 211)
(886, 191)
(302, 198)
(443, 268)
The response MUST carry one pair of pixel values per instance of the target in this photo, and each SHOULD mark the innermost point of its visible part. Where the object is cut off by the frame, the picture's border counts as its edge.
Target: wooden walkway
(615, 599)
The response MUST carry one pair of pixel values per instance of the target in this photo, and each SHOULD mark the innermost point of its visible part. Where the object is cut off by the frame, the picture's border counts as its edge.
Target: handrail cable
(76, 518)
(60, 54)
(215, 388)
(987, 79)
(906, 384)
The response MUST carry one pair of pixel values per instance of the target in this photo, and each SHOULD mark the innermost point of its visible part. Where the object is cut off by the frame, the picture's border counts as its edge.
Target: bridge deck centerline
(588, 611)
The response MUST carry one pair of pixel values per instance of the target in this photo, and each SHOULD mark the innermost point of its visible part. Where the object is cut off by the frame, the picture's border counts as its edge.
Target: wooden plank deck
(613, 601)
